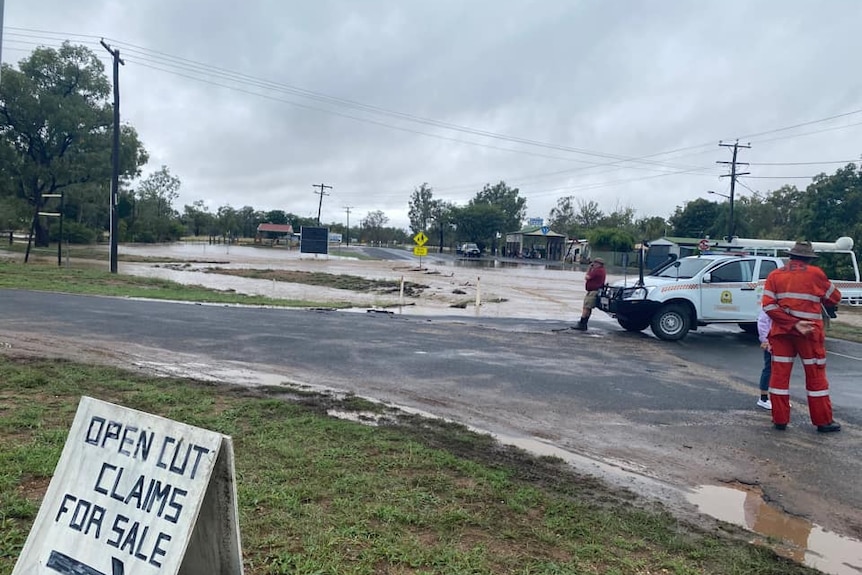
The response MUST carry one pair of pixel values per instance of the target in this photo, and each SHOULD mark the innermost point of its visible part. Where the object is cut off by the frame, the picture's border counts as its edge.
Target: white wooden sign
(137, 494)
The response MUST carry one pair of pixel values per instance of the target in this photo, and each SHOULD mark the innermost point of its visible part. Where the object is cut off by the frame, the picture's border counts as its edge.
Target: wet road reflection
(800, 540)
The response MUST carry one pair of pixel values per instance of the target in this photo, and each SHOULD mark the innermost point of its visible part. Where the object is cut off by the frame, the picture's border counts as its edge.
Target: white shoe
(764, 403)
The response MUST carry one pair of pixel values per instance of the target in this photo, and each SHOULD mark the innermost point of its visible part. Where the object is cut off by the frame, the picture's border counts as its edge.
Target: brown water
(801, 540)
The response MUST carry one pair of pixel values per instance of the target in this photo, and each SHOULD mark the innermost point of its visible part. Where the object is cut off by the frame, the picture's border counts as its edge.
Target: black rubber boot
(582, 325)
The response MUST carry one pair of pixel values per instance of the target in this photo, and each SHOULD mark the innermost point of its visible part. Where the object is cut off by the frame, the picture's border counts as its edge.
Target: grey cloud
(626, 78)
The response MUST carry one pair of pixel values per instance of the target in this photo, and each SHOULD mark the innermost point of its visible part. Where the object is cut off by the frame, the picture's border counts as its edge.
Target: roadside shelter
(538, 242)
(274, 233)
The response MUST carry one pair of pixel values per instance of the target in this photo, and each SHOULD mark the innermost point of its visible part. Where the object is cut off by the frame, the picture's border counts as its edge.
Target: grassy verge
(323, 495)
(100, 252)
(846, 325)
(92, 253)
(45, 277)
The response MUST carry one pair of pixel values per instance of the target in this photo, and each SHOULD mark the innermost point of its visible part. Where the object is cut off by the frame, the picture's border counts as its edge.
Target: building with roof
(274, 233)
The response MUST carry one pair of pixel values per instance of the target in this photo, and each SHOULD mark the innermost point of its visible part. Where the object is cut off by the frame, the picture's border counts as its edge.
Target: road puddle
(790, 536)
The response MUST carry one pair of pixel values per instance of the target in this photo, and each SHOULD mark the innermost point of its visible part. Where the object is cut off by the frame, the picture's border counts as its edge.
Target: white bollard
(401, 295)
(478, 292)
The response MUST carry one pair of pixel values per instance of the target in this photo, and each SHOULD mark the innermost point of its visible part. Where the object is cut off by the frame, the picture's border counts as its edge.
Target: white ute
(690, 292)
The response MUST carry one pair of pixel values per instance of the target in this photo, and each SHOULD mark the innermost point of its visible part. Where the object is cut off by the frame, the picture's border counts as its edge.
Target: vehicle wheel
(631, 324)
(671, 322)
(749, 328)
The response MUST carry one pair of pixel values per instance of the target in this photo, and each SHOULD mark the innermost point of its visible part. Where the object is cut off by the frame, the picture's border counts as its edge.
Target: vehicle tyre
(671, 322)
(632, 324)
(749, 328)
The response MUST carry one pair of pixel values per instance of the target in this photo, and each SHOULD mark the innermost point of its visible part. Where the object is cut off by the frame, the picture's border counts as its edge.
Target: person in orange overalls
(793, 296)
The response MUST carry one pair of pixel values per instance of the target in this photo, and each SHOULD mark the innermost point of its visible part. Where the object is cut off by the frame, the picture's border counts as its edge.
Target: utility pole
(321, 193)
(347, 209)
(2, 9)
(115, 156)
(733, 175)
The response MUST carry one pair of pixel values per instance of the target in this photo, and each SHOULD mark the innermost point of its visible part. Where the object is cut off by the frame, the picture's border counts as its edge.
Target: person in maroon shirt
(595, 280)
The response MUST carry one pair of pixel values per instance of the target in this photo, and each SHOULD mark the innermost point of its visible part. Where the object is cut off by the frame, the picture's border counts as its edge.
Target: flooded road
(672, 421)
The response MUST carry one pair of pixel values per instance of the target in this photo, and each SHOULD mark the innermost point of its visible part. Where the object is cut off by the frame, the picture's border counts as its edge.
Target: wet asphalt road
(682, 411)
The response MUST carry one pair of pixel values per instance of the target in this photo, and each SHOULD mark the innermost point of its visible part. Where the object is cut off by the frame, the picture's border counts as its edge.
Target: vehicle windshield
(686, 268)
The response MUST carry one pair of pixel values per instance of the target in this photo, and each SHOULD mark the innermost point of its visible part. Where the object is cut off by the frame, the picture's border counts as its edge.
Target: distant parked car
(470, 250)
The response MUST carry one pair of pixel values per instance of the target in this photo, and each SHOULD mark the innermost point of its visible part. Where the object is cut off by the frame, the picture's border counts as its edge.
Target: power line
(199, 68)
(620, 162)
(161, 58)
(802, 163)
(780, 177)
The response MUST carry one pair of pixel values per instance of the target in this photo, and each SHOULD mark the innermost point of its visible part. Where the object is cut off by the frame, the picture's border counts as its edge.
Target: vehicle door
(729, 291)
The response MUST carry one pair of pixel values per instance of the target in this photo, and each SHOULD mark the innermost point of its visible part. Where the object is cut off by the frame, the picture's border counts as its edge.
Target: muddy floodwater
(454, 286)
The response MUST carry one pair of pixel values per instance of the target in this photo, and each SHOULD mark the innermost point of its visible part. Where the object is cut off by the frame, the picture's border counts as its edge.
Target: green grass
(322, 495)
(840, 328)
(46, 277)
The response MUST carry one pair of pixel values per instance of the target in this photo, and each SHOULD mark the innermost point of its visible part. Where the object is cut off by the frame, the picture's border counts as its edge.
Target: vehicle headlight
(635, 294)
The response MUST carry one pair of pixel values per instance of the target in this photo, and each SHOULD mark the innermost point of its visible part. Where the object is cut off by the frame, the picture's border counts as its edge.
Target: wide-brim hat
(803, 250)
(599, 261)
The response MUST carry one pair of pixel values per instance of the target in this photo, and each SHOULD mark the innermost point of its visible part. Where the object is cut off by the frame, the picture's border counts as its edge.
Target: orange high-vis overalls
(793, 293)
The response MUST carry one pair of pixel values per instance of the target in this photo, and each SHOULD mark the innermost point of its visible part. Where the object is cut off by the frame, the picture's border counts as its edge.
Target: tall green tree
(442, 213)
(421, 208)
(563, 217)
(156, 220)
(588, 215)
(509, 203)
(613, 239)
(276, 217)
(783, 205)
(248, 219)
(832, 206)
(373, 226)
(697, 219)
(622, 217)
(479, 223)
(198, 219)
(651, 228)
(56, 124)
(227, 222)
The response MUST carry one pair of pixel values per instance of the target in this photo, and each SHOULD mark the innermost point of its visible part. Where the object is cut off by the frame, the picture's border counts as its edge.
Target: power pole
(733, 175)
(2, 9)
(321, 193)
(115, 156)
(347, 209)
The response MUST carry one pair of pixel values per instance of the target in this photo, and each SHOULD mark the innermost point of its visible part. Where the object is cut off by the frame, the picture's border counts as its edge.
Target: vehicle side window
(731, 272)
(766, 266)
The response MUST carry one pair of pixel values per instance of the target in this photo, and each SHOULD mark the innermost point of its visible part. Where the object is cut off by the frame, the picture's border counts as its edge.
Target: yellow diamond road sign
(420, 238)
(420, 250)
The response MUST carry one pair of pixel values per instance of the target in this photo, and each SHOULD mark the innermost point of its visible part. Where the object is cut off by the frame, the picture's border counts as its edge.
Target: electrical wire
(187, 65)
(175, 65)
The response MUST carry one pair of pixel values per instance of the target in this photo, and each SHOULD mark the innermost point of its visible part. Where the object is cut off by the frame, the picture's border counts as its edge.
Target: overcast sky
(251, 103)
